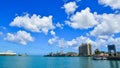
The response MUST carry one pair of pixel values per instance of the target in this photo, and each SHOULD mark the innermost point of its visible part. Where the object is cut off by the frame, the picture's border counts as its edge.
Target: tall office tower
(85, 49)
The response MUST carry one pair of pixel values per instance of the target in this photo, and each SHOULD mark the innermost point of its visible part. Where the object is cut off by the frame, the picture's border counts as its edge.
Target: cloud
(104, 27)
(52, 33)
(59, 25)
(69, 43)
(115, 41)
(21, 37)
(70, 7)
(100, 41)
(109, 41)
(103, 36)
(53, 40)
(109, 24)
(72, 42)
(34, 23)
(103, 24)
(115, 4)
(3, 28)
(1, 33)
(82, 20)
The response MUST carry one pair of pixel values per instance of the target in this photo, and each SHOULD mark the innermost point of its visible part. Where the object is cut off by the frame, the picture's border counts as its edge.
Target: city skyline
(39, 27)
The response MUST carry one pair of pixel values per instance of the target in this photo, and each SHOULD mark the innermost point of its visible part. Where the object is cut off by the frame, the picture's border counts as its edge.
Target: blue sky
(40, 27)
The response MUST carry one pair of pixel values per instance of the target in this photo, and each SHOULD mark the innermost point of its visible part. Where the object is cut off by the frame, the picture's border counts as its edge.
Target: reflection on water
(114, 64)
(13, 62)
(86, 62)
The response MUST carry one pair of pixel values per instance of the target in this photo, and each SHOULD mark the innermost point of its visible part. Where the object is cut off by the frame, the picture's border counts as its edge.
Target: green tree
(97, 51)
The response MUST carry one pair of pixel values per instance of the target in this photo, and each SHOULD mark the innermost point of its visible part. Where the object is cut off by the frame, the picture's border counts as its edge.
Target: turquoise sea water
(55, 62)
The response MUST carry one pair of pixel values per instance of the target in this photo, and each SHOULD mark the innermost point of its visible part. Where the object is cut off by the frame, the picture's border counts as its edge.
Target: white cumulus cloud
(20, 37)
(34, 23)
(101, 41)
(109, 24)
(82, 20)
(53, 40)
(70, 7)
(69, 43)
(115, 41)
(52, 33)
(59, 25)
(115, 4)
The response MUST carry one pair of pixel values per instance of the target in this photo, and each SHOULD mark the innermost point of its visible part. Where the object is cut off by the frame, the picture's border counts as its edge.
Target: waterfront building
(85, 49)
(112, 50)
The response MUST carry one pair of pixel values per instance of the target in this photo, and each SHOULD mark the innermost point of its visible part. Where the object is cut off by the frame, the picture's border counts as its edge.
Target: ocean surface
(55, 62)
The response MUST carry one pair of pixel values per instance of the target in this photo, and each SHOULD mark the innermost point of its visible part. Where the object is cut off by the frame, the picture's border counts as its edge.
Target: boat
(22, 54)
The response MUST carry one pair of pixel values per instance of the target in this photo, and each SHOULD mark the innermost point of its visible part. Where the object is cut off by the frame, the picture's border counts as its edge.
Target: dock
(113, 58)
